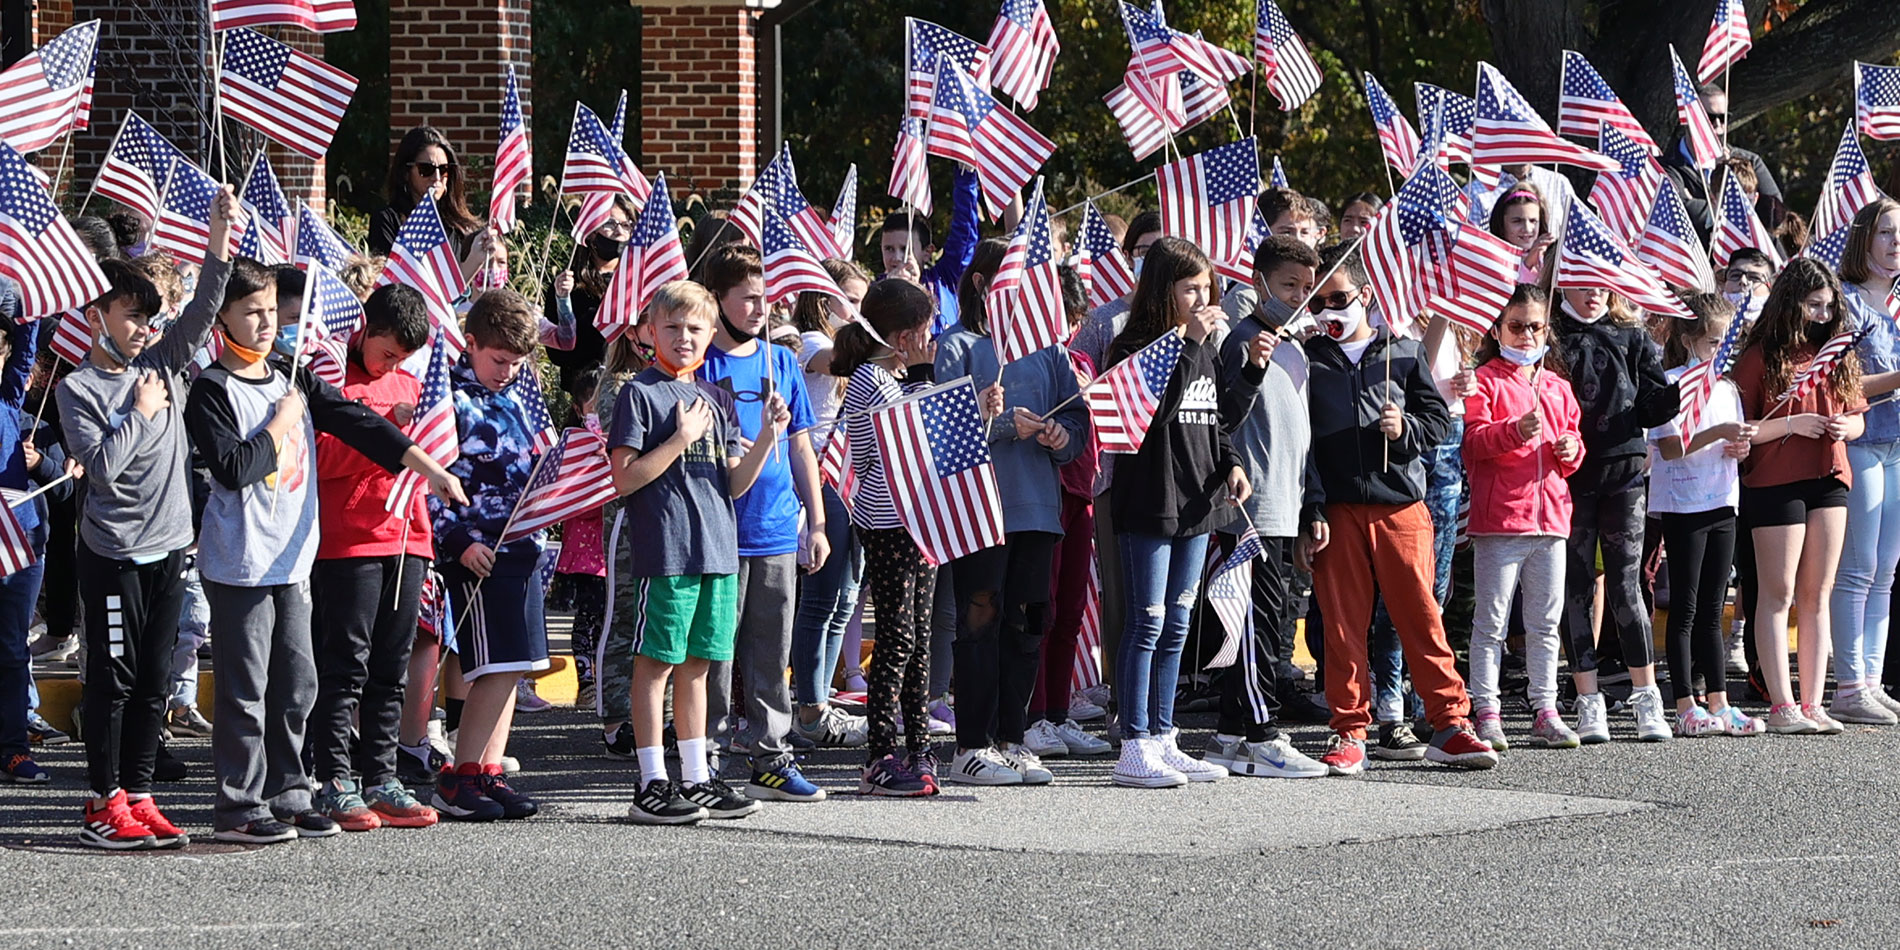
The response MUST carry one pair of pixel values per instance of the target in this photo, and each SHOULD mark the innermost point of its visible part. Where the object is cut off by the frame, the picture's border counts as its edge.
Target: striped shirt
(871, 386)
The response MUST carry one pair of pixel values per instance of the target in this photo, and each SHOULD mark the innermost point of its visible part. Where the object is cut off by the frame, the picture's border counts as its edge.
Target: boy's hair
(682, 295)
(917, 224)
(126, 281)
(1058, 230)
(159, 268)
(1281, 249)
(289, 282)
(1752, 255)
(503, 320)
(98, 238)
(1349, 261)
(360, 272)
(715, 232)
(400, 312)
(247, 277)
(731, 266)
(1743, 171)
(127, 227)
(1275, 202)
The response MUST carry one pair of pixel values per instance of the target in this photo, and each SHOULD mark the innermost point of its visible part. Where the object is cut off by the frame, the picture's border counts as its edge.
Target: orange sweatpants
(1383, 549)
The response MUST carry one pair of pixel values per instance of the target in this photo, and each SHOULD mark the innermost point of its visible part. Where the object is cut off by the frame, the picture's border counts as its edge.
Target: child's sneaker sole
(91, 840)
(640, 816)
(1149, 781)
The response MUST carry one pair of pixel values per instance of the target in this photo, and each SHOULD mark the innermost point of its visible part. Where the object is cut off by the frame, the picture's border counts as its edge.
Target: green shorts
(685, 615)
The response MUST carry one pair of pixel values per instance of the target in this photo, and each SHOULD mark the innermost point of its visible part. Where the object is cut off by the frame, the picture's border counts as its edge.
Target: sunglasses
(1526, 328)
(428, 170)
(1337, 300)
(1718, 118)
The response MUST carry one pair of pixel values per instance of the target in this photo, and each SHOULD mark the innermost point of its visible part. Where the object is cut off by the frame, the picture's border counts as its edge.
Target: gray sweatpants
(762, 647)
(1500, 564)
(267, 682)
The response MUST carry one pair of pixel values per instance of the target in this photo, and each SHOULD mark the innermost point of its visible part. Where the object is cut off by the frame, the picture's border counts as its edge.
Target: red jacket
(351, 489)
(1518, 487)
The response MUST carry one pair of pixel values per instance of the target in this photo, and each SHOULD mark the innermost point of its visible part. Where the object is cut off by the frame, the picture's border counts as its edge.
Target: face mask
(1340, 324)
(190, 280)
(1580, 318)
(1818, 333)
(736, 333)
(492, 277)
(674, 369)
(138, 250)
(240, 351)
(1275, 312)
(1523, 357)
(286, 340)
(604, 247)
(111, 347)
(1138, 261)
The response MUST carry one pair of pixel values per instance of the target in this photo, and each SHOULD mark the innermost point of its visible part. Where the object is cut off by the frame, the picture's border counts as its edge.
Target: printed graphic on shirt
(1200, 404)
(293, 457)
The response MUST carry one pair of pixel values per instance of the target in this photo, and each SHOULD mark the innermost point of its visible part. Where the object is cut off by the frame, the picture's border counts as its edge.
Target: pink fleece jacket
(1518, 486)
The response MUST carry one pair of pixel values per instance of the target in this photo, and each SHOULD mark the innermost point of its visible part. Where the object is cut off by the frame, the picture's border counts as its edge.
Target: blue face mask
(286, 340)
(1523, 357)
(1138, 261)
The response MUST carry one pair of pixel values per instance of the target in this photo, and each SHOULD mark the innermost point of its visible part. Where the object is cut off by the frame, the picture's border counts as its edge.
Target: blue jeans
(826, 602)
(1861, 604)
(1444, 491)
(18, 593)
(1161, 578)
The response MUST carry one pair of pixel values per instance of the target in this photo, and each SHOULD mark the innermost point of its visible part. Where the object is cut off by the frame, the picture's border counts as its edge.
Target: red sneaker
(1459, 747)
(164, 833)
(1345, 755)
(113, 828)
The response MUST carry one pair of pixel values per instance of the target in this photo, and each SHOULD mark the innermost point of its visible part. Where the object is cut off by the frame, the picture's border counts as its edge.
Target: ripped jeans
(1161, 578)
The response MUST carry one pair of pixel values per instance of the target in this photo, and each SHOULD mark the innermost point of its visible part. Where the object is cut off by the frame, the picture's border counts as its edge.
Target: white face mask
(1523, 357)
(1137, 265)
(1340, 324)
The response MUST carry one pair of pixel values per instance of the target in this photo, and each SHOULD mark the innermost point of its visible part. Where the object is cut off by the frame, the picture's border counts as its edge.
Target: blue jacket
(13, 377)
(941, 278)
(497, 457)
(1026, 470)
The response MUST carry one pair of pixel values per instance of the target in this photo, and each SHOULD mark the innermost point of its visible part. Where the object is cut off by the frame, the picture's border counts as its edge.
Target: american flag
(1398, 141)
(1507, 131)
(1585, 103)
(318, 243)
(183, 226)
(330, 306)
(1407, 249)
(652, 257)
(1144, 123)
(1292, 75)
(16, 549)
(790, 268)
(253, 243)
(321, 16)
(1277, 179)
(1006, 151)
(571, 480)
(1699, 381)
(834, 467)
(1208, 198)
(513, 165)
(1669, 242)
(1590, 256)
(49, 91)
(910, 179)
(937, 468)
(326, 358)
(527, 393)
(273, 224)
(135, 167)
(948, 132)
(1849, 185)
(1025, 297)
(925, 45)
(432, 427)
(1230, 593)
(844, 215)
(72, 338)
(593, 163)
(776, 188)
(1258, 230)
(424, 258)
(1625, 196)
(1163, 51)
(1738, 226)
(1829, 249)
(433, 618)
(1103, 266)
(1482, 277)
(597, 205)
(1122, 401)
(1877, 101)
(1705, 147)
(1457, 113)
(1087, 669)
(295, 99)
(1728, 40)
(1200, 99)
(1023, 50)
(1825, 359)
(618, 126)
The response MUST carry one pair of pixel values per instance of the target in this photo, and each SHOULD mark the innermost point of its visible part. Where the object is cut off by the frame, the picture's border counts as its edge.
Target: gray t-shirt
(1275, 440)
(686, 513)
(137, 491)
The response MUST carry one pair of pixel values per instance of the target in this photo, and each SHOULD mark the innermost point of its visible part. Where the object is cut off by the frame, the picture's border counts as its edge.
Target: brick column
(447, 59)
(699, 95)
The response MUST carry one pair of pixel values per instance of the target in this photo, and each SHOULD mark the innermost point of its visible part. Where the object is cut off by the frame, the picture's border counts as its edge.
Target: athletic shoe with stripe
(887, 777)
(660, 803)
(112, 827)
(783, 784)
(514, 805)
(459, 796)
(261, 831)
(981, 767)
(1025, 763)
(834, 729)
(397, 808)
(1275, 758)
(22, 770)
(164, 833)
(719, 800)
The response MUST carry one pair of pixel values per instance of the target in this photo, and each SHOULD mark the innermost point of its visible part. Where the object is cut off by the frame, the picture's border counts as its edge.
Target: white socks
(652, 763)
(693, 768)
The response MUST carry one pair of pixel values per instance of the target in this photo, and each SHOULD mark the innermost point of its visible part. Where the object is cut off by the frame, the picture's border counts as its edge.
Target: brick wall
(150, 60)
(699, 95)
(446, 60)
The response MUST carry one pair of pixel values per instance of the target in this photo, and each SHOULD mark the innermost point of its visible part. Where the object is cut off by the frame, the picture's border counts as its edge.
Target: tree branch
(1309, 31)
(1781, 67)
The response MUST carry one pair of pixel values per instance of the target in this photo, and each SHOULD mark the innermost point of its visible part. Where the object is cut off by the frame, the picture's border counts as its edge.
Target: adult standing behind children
(425, 164)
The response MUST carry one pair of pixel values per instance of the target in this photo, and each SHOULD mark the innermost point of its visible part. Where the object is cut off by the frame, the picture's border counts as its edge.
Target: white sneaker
(1082, 710)
(1097, 695)
(1196, 770)
(54, 649)
(1881, 696)
(1735, 656)
(1275, 758)
(980, 767)
(1861, 708)
(1025, 763)
(1079, 741)
(1652, 724)
(1141, 766)
(1593, 721)
(1222, 750)
(529, 701)
(1043, 740)
(439, 740)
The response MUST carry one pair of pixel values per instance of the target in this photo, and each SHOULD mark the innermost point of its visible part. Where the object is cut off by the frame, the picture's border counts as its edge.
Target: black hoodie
(1346, 398)
(1175, 487)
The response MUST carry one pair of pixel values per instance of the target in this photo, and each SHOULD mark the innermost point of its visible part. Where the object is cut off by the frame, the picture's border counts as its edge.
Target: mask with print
(1340, 324)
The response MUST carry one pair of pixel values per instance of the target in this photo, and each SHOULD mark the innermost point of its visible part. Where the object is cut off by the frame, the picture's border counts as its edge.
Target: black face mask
(604, 247)
(1818, 333)
(738, 335)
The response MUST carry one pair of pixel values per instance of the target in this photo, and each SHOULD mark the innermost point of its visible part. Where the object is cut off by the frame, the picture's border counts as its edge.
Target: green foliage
(359, 157)
(584, 51)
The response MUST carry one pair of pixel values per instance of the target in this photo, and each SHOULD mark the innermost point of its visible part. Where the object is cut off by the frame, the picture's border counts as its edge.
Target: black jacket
(1617, 375)
(1175, 487)
(1696, 198)
(1349, 452)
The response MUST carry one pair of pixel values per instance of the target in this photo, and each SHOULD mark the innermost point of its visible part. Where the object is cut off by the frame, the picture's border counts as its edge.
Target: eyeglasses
(615, 226)
(1337, 300)
(1747, 277)
(1526, 329)
(430, 170)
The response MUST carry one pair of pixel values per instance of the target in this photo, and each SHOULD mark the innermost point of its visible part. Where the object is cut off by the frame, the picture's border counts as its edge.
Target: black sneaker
(312, 824)
(514, 805)
(459, 796)
(261, 831)
(660, 803)
(621, 745)
(1302, 707)
(415, 771)
(719, 800)
(1398, 743)
(166, 767)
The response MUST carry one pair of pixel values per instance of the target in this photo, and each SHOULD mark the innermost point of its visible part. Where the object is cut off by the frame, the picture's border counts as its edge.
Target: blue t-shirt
(684, 515)
(769, 513)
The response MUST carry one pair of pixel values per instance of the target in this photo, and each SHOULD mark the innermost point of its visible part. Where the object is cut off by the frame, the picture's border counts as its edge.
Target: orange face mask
(245, 353)
(675, 370)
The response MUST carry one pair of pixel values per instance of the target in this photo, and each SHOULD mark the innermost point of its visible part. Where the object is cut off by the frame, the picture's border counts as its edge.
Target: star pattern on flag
(955, 431)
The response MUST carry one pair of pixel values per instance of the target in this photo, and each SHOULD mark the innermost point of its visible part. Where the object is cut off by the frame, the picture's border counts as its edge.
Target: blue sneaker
(887, 777)
(23, 770)
(459, 797)
(783, 784)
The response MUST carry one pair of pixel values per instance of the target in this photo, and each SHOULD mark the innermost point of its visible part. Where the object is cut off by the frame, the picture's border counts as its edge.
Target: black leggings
(1608, 510)
(1250, 691)
(1002, 611)
(903, 587)
(1701, 550)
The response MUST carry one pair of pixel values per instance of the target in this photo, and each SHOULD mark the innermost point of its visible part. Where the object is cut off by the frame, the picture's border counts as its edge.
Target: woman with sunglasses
(425, 164)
